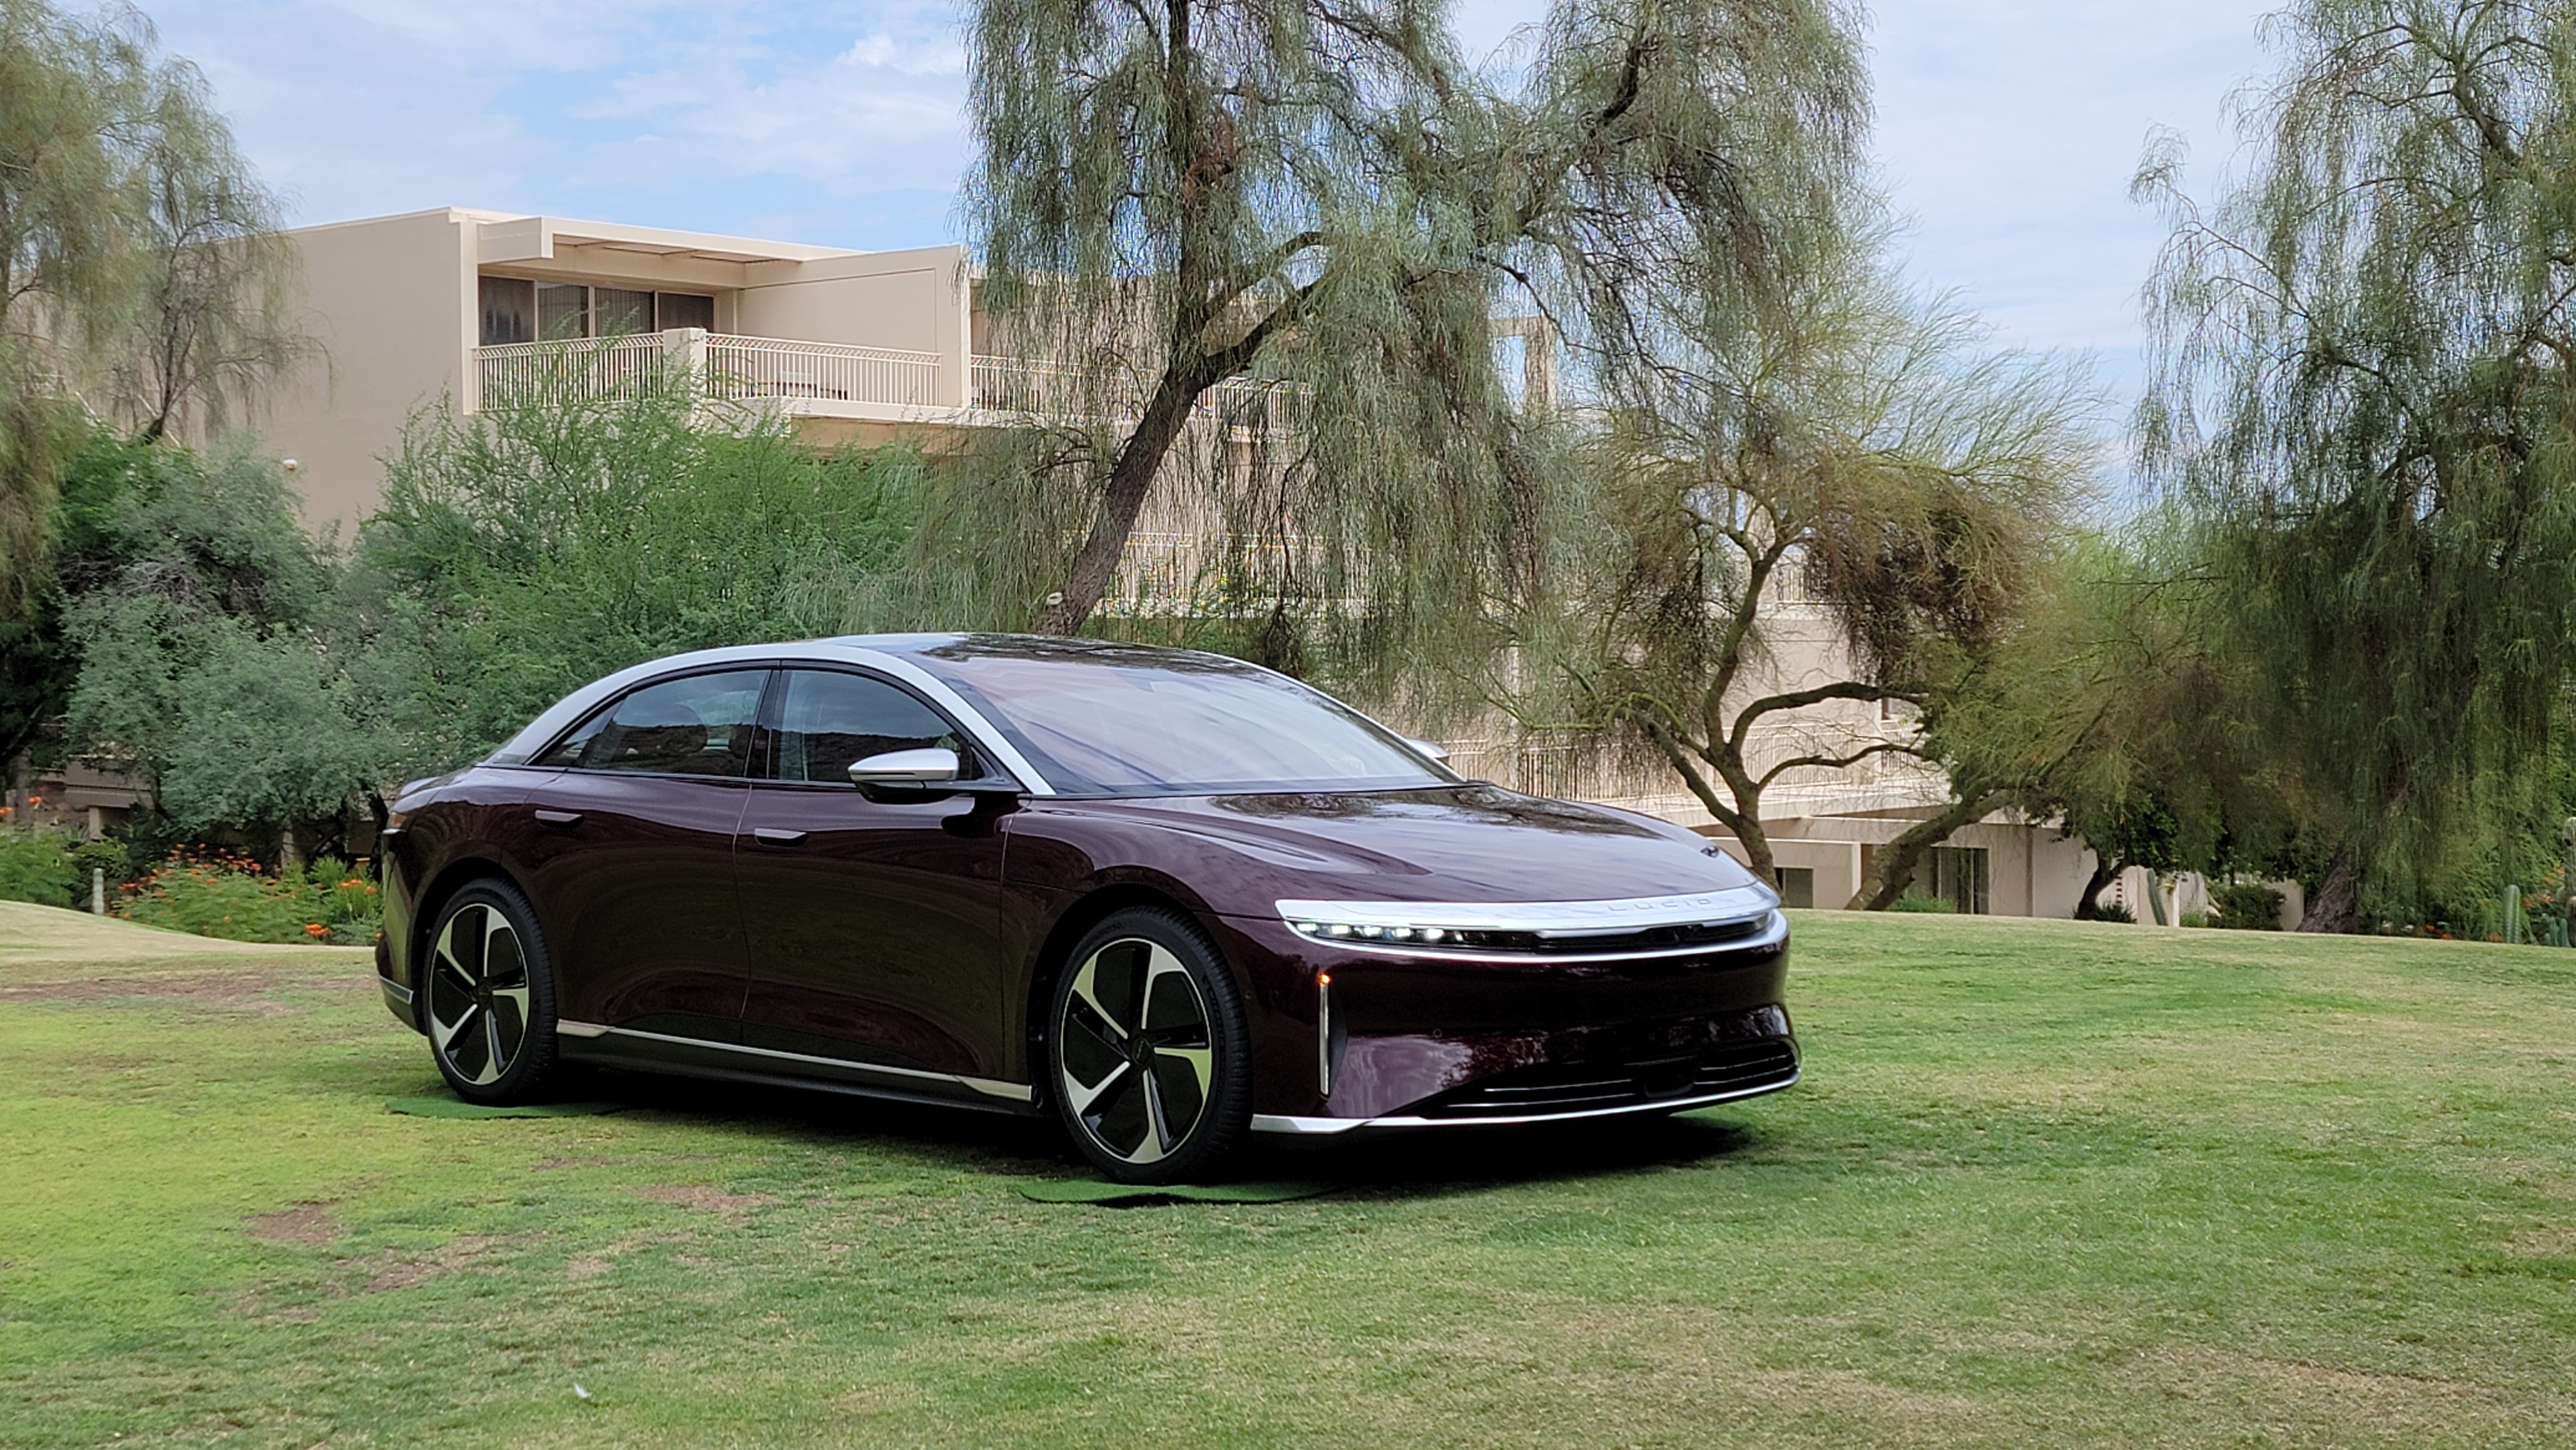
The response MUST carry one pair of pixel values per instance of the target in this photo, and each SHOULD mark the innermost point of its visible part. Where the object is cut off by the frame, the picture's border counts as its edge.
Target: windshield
(1116, 720)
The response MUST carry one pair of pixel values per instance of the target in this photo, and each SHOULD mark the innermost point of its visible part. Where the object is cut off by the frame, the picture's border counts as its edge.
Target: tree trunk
(1898, 858)
(1131, 478)
(2336, 906)
(1757, 850)
(2105, 871)
(290, 854)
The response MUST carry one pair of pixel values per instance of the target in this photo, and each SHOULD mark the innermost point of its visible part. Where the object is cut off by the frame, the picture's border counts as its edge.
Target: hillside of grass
(2045, 1183)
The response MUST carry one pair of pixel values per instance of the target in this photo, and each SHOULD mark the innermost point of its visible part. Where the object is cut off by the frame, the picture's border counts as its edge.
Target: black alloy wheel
(1150, 1064)
(491, 999)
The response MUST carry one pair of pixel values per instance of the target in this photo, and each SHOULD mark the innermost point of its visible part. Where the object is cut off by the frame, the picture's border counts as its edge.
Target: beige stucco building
(859, 346)
(457, 303)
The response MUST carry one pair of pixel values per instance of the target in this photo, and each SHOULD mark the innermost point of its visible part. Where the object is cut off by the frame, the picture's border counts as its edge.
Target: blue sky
(2007, 129)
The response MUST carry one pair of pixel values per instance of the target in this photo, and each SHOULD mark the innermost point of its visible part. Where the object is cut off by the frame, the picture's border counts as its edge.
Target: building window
(617, 311)
(563, 310)
(509, 310)
(1958, 875)
(516, 309)
(1797, 885)
(684, 309)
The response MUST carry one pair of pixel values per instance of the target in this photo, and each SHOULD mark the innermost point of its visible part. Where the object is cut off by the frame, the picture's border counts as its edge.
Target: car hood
(1475, 843)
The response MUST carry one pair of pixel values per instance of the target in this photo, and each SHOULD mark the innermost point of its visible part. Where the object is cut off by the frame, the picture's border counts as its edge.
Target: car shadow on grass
(1400, 1165)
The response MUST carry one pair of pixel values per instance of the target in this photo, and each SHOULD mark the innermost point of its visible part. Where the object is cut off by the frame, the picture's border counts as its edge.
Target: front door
(632, 857)
(874, 926)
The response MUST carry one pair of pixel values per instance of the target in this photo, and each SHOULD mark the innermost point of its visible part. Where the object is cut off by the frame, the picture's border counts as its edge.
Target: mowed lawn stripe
(2045, 1183)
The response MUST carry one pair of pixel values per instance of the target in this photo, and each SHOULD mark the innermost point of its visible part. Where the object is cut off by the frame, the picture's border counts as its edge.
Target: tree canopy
(2363, 395)
(141, 283)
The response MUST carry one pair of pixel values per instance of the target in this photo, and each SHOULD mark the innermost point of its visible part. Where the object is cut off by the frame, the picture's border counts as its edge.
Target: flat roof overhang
(505, 240)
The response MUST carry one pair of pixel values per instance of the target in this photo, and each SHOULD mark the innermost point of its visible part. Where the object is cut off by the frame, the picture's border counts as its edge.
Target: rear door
(632, 858)
(873, 926)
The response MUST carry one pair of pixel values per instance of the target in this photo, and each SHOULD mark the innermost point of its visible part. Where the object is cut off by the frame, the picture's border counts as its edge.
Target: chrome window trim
(1018, 1092)
(1559, 920)
(571, 709)
(1327, 1127)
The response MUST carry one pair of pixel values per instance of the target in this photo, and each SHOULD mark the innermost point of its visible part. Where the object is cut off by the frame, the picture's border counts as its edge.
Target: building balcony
(840, 380)
(821, 379)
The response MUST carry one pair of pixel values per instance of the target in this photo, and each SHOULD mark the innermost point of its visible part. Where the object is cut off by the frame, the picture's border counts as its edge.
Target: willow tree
(1264, 249)
(141, 282)
(2364, 392)
(1812, 502)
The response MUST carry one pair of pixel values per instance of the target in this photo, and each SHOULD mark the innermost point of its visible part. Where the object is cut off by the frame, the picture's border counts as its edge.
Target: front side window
(829, 721)
(694, 725)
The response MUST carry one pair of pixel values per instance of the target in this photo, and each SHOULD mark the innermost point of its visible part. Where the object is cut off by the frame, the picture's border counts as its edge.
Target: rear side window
(829, 721)
(695, 725)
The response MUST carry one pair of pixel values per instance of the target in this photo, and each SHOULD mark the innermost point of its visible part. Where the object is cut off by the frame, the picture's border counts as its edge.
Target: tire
(1148, 1061)
(489, 997)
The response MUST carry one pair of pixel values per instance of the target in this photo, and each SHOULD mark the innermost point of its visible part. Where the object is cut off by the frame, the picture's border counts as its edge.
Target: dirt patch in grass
(404, 1271)
(706, 1198)
(309, 1224)
(250, 990)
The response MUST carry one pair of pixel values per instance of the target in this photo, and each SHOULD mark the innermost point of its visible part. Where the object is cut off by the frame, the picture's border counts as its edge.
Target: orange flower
(315, 928)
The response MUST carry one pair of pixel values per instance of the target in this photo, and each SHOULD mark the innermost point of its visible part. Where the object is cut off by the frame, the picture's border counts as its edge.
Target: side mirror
(1427, 750)
(905, 772)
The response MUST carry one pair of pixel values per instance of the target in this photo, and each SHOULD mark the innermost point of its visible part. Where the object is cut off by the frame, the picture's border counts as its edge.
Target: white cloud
(2007, 129)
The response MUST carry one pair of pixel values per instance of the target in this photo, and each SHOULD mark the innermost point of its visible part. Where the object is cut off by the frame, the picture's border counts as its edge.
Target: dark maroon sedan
(1168, 897)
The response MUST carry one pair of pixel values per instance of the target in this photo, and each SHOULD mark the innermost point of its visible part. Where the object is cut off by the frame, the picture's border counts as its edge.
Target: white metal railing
(611, 367)
(724, 365)
(729, 365)
(1043, 389)
(769, 367)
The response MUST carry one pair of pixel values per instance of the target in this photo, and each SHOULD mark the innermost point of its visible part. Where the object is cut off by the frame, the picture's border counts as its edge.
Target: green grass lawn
(2045, 1183)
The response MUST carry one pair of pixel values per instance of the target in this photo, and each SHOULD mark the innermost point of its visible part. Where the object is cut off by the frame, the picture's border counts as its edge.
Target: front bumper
(1412, 1038)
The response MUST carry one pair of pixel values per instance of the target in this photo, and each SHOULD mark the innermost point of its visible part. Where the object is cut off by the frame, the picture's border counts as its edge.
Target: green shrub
(37, 866)
(1937, 904)
(2195, 918)
(224, 895)
(2114, 911)
(2245, 906)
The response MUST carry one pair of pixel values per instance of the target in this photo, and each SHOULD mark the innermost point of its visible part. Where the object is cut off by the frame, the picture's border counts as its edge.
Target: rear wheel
(491, 1007)
(1149, 1062)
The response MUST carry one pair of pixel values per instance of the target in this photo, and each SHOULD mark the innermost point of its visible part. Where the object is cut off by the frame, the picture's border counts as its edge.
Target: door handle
(559, 818)
(769, 836)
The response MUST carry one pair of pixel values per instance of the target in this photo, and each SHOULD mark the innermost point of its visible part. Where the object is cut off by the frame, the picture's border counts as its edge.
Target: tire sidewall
(1228, 1113)
(538, 1053)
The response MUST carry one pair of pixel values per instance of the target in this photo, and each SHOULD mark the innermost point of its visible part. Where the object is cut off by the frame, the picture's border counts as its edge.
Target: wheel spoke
(1158, 1133)
(1094, 1028)
(1201, 1062)
(493, 1062)
(444, 954)
(1081, 1098)
(1086, 987)
(444, 1034)
(502, 960)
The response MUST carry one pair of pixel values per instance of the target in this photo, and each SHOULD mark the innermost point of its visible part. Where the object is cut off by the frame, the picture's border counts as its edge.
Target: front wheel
(1150, 1064)
(491, 993)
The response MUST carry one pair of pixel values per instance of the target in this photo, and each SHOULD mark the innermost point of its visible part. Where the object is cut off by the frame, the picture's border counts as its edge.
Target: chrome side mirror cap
(1428, 750)
(929, 767)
